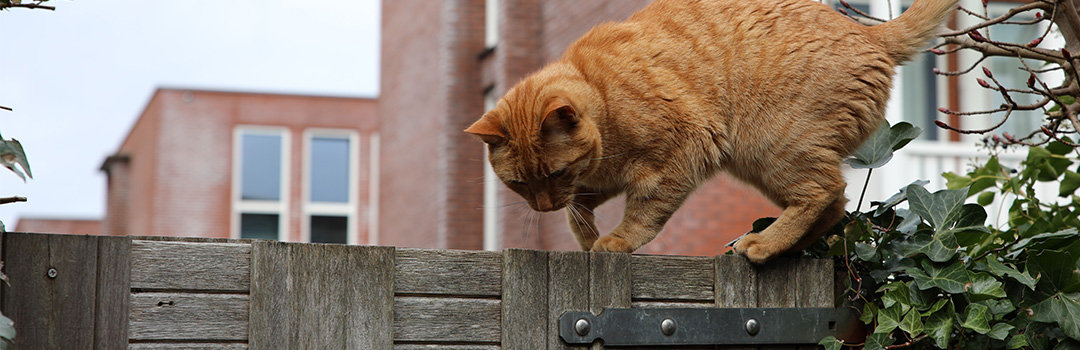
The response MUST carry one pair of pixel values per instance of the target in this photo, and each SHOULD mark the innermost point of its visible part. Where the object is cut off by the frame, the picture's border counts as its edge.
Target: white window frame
(492, 229)
(240, 206)
(349, 209)
(491, 23)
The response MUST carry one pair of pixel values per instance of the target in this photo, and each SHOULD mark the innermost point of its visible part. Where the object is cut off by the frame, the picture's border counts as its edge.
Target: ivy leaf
(878, 341)
(865, 251)
(11, 154)
(997, 268)
(1000, 331)
(896, 292)
(912, 323)
(878, 149)
(976, 318)
(939, 248)
(1047, 240)
(1069, 184)
(1056, 271)
(1061, 309)
(999, 308)
(984, 286)
(940, 209)
(831, 343)
(868, 312)
(939, 326)
(896, 198)
(1017, 341)
(949, 277)
(7, 328)
(889, 318)
(954, 181)
(985, 198)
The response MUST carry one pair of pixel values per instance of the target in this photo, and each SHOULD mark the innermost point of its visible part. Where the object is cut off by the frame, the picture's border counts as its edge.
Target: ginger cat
(775, 92)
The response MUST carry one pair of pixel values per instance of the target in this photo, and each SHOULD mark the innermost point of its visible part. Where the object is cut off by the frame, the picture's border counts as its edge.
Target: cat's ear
(559, 117)
(488, 130)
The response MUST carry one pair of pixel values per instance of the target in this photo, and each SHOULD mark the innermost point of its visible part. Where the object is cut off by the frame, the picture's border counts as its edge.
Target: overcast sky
(78, 77)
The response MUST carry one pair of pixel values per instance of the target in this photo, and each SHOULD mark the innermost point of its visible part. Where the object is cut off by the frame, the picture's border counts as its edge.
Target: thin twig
(14, 199)
(29, 6)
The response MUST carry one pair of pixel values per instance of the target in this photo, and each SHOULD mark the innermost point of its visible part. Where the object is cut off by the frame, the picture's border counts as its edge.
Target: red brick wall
(180, 153)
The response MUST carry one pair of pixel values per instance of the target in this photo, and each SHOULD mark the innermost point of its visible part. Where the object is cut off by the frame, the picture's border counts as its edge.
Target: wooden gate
(81, 292)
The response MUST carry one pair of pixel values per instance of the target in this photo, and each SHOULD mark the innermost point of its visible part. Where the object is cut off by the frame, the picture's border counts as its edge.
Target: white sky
(77, 78)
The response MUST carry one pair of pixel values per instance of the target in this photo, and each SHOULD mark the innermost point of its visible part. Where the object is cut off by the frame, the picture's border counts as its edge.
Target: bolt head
(667, 326)
(752, 327)
(581, 326)
(52, 273)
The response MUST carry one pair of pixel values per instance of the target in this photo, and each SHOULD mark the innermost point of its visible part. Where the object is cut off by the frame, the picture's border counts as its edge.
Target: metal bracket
(711, 326)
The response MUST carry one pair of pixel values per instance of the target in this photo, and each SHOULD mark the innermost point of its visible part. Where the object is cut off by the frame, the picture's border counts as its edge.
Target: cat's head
(540, 142)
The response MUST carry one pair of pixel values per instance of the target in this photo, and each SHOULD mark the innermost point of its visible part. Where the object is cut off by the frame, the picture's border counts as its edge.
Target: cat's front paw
(612, 244)
(755, 248)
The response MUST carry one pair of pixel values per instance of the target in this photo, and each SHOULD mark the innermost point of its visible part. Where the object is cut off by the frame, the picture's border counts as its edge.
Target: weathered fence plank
(187, 346)
(657, 277)
(321, 296)
(113, 292)
(524, 299)
(568, 290)
(609, 283)
(165, 265)
(56, 312)
(184, 316)
(447, 320)
(449, 272)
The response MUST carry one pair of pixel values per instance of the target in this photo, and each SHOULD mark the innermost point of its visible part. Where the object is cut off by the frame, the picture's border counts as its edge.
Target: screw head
(581, 326)
(752, 327)
(52, 273)
(667, 326)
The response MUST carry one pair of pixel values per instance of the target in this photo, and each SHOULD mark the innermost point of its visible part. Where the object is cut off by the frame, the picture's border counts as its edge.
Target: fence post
(524, 299)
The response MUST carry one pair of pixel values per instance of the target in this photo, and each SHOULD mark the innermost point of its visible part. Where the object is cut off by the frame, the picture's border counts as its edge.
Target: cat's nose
(544, 202)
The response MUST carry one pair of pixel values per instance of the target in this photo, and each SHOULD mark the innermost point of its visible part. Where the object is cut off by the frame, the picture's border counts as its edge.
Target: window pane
(261, 167)
(329, 229)
(329, 169)
(259, 226)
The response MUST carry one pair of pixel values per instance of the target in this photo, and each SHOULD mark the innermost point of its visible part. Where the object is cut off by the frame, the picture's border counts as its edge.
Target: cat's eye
(558, 173)
(516, 182)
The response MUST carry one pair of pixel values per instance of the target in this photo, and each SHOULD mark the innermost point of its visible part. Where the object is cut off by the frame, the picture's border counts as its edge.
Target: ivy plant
(936, 275)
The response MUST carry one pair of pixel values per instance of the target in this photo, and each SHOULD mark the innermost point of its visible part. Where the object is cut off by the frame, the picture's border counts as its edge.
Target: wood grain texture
(321, 296)
(524, 299)
(736, 282)
(187, 346)
(447, 320)
(671, 278)
(568, 290)
(178, 316)
(166, 265)
(113, 290)
(51, 313)
(444, 347)
(609, 283)
(448, 272)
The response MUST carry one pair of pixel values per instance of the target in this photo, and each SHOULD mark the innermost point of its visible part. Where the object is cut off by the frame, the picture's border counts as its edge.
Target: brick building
(443, 64)
(244, 165)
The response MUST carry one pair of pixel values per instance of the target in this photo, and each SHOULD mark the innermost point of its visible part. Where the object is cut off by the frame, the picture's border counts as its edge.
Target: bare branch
(988, 22)
(14, 199)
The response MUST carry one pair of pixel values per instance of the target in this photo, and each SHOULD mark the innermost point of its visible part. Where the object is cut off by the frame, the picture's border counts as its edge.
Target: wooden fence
(82, 292)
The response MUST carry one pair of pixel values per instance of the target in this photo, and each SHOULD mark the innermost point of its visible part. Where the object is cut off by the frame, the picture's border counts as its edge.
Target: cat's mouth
(547, 204)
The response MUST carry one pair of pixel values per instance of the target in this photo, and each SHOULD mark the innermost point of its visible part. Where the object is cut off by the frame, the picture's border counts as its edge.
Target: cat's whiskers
(580, 218)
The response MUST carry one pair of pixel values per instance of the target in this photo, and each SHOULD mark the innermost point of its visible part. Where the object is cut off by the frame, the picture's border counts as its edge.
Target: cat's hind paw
(612, 244)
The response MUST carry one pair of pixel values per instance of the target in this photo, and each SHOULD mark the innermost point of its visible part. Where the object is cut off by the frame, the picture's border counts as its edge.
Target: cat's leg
(812, 204)
(580, 216)
(646, 213)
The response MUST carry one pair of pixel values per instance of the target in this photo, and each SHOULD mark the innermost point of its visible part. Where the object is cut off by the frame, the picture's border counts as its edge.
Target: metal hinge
(711, 326)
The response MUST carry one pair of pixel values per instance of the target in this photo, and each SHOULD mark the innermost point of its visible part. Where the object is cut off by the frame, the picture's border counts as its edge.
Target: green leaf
(11, 154)
(939, 248)
(948, 277)
(1069, 184)
(1046, 240)
(1056, 271)
(1017, 341)
(912, 323)
(865, 251)
(1003, 270)
(939, 326)
(896, 198)
(934, 308)
(896, 292)
(878, 149)
(941, 209)
(985, 198)
(954, 181)
(1000, 331)
(868, 312)
(889, 318)
(1061, 309)
(984, 286)
(976, 318)
(831, 343)
(878, 341)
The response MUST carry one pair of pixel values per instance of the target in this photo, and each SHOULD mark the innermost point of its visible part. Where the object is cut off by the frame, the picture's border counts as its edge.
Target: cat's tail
(904, 36)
